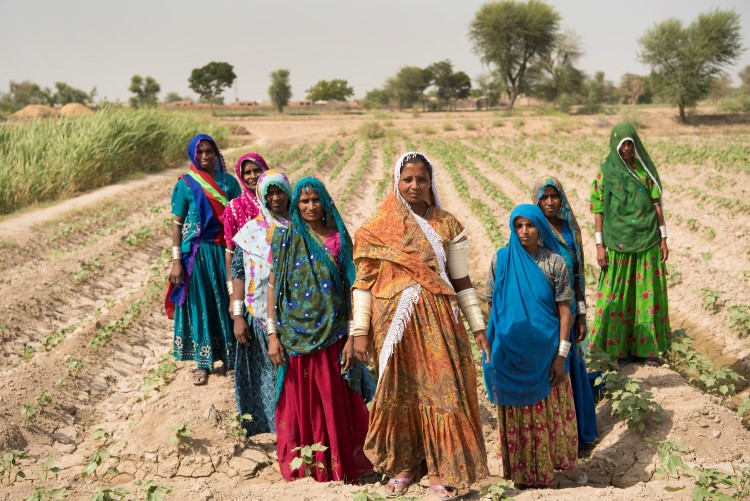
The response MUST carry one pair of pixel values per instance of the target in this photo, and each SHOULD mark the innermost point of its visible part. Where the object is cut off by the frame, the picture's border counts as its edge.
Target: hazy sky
(88, 43)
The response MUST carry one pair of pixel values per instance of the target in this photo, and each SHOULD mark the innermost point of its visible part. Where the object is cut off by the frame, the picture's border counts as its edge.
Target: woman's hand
(347, 354)
(241, 331)
(601, 256)
(557, 372)
(176, 273)
(483, 345)
(581, 328)
(664, 250)
(275, 350)
(361, 345)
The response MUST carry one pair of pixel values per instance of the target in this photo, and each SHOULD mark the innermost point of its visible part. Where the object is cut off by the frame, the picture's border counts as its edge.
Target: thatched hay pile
(75, 110)
(36, 111)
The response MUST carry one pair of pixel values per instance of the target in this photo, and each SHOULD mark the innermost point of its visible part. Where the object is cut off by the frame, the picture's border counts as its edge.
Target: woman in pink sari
(244, 208)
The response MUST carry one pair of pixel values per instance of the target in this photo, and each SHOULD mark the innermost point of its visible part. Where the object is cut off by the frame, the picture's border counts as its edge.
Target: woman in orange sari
(409, 287)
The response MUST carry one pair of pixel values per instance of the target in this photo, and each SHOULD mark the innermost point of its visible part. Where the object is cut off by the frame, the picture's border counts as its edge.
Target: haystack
(75, 110)
(36, 111)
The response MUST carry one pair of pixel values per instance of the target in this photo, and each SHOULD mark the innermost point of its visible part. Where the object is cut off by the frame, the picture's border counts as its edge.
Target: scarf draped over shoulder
(523, 329)
(630, 223)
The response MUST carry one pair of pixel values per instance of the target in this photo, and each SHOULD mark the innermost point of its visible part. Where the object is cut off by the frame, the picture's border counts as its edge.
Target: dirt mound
(75, 110)
(36, 111)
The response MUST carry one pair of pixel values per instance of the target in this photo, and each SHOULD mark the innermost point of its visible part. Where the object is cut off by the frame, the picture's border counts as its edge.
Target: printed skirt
(535, 440)
(631, 317)
(203, 329)
(255, 382)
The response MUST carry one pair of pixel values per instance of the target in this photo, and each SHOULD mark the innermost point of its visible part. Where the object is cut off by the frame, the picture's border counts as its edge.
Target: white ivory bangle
(271, 327)
(599, 238)
(582, 307)
(663, 230)
(237, 308)
(176, 252)
(177, 222)
(230, 287)
(361, 312)
(468, 301)
(564, 348)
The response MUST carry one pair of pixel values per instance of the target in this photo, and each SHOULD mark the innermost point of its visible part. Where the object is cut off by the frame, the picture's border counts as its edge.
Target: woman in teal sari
(198, 294)
(322, 386)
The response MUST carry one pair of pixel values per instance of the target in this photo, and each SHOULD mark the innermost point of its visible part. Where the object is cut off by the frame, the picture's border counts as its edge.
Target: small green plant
(709, 233)
(28, 352)
(674, 277)
(470, 125)
(744, 407)
(692, 224)
(74, 366)
(103, 439)
(739, 319)
(10, 466)
(165, 368)
(629, 400)
(710, 483)
(499, 491)
(110, 494)
(43, 490)
(448, 126)
(138, 236)
(705, 257)
(43, 399)
(371, 130)
(306, 459)
(236, 425)
(181, 435)
(711, 299)
(152, 490)
(698, 369)
(29, 413)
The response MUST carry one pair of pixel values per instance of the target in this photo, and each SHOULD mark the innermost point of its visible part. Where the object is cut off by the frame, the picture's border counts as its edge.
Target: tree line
(526, 52)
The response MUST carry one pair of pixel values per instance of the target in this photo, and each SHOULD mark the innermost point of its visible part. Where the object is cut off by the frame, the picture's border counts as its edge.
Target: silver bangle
(177, 222)
(176, 252)
(582, 307)
(564, 348)
(229, 251)
(271, 327)
(237, 308)
(230, 287)
(599, 238)
(663, 230)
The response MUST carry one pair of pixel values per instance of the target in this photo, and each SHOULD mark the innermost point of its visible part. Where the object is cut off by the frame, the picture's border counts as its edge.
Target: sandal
(437, 489)
(395, 483)
(200, 377)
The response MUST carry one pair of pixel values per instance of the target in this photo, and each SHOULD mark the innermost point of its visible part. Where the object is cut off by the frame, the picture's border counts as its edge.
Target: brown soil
(94, 265)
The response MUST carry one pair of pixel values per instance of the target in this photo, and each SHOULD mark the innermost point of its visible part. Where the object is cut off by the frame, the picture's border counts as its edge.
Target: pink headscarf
(245, 207)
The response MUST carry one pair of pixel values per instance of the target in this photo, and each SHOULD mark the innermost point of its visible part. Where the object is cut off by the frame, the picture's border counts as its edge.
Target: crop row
(348, 154)
(355, 180)
(320, 160)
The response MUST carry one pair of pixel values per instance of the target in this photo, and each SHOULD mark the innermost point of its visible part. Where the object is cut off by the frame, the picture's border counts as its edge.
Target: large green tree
(280, 90)
(330, 90)
(210, 81)
(450, 85)
(65, 94)
(21, 94)
(408, 86)
(489, 88)
(376, 98)
(684, 59)
(554, 75)
(511, 36)
(145, 90)
(634, 88)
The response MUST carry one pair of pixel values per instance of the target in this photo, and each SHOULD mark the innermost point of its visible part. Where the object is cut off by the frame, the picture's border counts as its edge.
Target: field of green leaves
(85, 351)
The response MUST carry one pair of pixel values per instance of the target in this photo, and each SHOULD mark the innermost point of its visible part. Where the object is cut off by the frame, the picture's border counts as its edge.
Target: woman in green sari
(631, 316)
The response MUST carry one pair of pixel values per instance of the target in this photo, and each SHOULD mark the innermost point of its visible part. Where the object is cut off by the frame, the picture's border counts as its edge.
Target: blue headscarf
(524, 329)
(192, 148)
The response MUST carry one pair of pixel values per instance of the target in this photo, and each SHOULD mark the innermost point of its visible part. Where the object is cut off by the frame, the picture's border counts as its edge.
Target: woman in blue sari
(198, 294)
(323, 387)
(527, 376)
(549, 195)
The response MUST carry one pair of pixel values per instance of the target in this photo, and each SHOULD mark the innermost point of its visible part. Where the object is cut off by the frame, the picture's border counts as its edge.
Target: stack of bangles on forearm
(271, 326)
(468, 301)
(599, 238)
(230, 287)
(564, 348)
(237, 308)
(176, 252)
(361, 313)
(663, 230)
